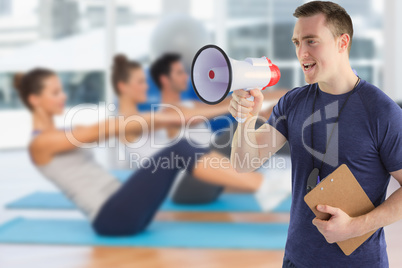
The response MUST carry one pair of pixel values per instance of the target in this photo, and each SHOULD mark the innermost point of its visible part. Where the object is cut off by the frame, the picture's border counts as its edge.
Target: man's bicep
(269, 140)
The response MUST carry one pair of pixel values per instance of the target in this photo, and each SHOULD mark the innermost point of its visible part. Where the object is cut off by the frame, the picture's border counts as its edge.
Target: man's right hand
(248, 142)
(240, 107)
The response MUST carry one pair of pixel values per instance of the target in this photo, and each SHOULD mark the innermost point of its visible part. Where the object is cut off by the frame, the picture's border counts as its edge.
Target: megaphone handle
(241, 120)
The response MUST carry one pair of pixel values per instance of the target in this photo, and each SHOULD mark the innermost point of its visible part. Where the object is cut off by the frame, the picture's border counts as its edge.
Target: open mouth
(308, 66)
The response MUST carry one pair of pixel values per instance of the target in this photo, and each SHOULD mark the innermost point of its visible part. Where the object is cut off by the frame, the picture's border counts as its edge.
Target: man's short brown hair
(337, 19)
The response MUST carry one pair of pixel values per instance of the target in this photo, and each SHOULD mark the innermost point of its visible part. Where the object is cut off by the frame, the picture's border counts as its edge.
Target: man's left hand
(339, 227)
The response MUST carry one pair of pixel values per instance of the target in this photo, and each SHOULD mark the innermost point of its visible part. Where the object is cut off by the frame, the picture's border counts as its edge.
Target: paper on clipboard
(340, 189)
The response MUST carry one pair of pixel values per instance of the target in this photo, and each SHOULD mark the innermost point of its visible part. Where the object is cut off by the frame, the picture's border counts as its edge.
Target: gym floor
(22, 178)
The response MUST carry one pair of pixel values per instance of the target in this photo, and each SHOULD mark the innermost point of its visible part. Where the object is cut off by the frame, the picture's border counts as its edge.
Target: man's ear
(164, 80)
(344, 41)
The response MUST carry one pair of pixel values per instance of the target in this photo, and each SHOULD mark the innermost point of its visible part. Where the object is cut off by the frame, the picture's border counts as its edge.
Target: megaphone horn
(214, 74)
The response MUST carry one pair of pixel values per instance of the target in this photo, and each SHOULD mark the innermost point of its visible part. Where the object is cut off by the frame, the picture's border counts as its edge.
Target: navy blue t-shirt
(367, 138)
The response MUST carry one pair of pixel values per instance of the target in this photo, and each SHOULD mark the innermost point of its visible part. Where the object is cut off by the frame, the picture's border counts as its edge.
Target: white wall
(16, 125)
(393, 49)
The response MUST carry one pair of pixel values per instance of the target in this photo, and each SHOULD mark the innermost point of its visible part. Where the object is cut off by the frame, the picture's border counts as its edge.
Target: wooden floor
(64, 257)
(16, 256)
(105, 257)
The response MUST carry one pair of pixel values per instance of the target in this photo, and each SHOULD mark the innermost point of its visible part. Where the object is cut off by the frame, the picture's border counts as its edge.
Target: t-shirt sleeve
(278, 117)
(389, 127)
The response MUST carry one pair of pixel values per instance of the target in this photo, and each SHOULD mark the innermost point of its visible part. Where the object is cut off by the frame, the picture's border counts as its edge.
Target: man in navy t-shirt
(338, 118)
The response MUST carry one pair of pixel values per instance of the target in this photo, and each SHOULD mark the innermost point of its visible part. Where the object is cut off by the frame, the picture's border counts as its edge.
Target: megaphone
(214, 74)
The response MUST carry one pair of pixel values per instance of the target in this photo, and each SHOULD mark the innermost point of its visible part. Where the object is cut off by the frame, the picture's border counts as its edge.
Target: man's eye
(311, 41)
(296, 43)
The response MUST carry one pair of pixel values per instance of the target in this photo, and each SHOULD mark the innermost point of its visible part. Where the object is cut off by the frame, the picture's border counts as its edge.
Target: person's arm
(388, 212)
(223, 105)
(55, 141)
(211, 111)
(250, 147)
(201, 111)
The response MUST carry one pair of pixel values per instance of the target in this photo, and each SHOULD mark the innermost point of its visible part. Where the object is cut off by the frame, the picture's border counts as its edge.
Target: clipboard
(340, 189)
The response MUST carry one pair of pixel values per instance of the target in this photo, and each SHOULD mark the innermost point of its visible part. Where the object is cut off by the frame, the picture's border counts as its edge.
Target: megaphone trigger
(240, 120)
(251, 98)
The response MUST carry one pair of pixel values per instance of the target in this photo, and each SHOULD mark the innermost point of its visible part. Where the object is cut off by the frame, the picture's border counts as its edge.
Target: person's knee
(191, 190)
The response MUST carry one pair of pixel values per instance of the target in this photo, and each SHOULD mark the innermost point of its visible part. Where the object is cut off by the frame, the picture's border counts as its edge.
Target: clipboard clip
(313, 179)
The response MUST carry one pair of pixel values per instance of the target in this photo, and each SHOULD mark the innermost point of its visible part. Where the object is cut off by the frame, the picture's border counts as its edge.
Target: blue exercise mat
(284, 206)
(269, 236)
(227, 202)
(121, 174)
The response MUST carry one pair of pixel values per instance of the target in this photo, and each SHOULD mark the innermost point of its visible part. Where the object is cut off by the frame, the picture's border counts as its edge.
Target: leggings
(132, 207)
(191, 190)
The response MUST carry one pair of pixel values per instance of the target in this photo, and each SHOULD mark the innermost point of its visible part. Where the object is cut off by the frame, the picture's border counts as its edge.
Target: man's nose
(302, 52)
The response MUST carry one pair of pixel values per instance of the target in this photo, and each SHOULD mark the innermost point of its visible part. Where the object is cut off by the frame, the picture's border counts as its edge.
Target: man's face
(316, 48)
(178, 76)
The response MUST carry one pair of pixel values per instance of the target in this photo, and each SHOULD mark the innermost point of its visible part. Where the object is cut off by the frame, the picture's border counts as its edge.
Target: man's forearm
(388, 212)
(244, 146)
